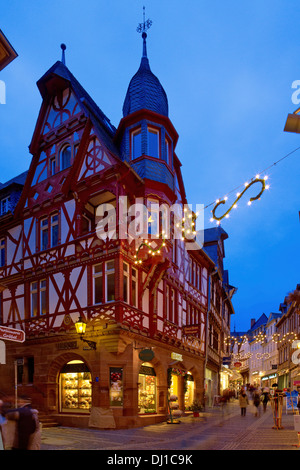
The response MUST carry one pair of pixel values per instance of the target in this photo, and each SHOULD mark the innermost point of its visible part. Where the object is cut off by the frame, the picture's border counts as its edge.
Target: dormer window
(4, 205)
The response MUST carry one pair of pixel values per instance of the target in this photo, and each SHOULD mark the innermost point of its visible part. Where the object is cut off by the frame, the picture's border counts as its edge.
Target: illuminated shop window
(116, 386)
(147, 389)
(75, 387)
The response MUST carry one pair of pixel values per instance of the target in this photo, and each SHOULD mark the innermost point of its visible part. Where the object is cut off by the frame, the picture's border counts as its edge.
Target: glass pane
(43, 306)
(110, 265)
(147, 394)
(125, 288)
(98, 289)
(133, 286)
(98, 268)
(65, 158)
(54, 235)
(34, 304)
(110, 287)
(136, 145)
(153, 143)
(76, 391)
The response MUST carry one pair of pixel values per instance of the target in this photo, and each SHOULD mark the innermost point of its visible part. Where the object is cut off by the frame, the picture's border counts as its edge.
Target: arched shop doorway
(75, 387)
(189, 390)
(147, 391)
(182, 385)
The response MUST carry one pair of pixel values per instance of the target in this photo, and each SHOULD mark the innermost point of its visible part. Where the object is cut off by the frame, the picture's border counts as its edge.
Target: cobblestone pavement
(217, 430)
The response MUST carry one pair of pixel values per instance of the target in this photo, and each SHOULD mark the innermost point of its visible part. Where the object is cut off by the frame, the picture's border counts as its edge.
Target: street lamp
(80, 326)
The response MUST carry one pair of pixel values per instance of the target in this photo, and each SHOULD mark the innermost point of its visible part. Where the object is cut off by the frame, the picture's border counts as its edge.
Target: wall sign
(146, 355)
(176, 356)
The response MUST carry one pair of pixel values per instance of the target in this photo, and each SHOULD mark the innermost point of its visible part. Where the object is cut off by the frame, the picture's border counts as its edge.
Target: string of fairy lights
(260, 338)
(146, 246)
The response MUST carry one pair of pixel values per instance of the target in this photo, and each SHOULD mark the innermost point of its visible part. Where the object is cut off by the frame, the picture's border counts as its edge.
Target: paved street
(216, 431)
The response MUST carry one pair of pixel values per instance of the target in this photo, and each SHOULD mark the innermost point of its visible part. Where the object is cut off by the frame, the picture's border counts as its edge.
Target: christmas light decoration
(247, 185)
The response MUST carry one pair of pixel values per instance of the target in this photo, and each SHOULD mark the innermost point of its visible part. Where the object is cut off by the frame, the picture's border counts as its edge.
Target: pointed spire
(142, 28)
(63, 58)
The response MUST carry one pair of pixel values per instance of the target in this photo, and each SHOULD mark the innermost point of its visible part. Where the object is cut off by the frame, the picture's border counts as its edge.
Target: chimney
(252, 321)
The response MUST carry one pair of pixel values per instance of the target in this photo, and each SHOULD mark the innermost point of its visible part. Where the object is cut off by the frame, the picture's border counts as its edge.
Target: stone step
(47, 421)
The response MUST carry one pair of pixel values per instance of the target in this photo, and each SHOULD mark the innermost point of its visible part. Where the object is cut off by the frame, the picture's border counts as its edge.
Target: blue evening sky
(227, 69)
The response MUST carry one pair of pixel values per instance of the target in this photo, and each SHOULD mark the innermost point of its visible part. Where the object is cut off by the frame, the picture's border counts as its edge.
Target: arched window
(65, 157)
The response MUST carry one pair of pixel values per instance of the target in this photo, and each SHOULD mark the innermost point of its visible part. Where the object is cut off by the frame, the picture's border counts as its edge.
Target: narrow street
(215, 431)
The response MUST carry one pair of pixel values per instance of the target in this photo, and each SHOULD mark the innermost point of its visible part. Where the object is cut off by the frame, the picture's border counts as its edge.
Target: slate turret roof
(145, 90)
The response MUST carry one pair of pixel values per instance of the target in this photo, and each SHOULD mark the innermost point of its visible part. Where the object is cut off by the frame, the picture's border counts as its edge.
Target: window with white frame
(136, 144)
(38, 298)
(44, 234)
(54, 230)
(126, 282)
(104, 282)
(49, 232)
(153, 142)
(134, 287)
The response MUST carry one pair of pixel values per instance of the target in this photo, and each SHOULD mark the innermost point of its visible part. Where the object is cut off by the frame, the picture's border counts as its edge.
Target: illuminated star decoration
(255, 180)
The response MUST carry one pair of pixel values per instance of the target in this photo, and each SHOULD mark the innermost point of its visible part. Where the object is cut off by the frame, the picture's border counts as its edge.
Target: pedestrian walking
(243, 402)
(265, 397)
(256, 402)
(26, 425)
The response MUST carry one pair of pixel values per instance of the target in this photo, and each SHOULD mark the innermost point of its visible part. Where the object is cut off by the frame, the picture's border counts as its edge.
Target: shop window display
(116, 386)
(76, 387)
(147, 389)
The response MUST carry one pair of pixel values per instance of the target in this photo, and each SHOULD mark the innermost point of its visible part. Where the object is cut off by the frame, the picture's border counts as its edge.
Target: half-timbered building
(66, 254)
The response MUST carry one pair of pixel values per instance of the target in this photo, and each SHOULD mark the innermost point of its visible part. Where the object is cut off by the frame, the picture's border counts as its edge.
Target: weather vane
(143, 27)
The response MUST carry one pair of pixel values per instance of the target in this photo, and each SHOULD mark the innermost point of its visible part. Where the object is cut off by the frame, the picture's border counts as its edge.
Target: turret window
(153, 143)
(136, 144)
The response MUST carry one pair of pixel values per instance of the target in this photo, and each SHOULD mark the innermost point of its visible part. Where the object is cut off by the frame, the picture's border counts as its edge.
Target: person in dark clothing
(256, 402)
(26, 425)
(265, 398)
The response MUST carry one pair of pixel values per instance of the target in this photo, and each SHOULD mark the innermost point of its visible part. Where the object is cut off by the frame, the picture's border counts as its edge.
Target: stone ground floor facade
(125, 382)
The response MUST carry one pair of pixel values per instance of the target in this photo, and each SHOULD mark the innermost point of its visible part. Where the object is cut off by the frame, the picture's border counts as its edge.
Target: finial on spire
(142, 28)
(63, 58)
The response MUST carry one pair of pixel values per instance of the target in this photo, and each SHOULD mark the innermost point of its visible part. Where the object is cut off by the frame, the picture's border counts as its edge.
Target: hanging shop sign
(12, 334)
(191, 330)
(146, 355)
(237, 364)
